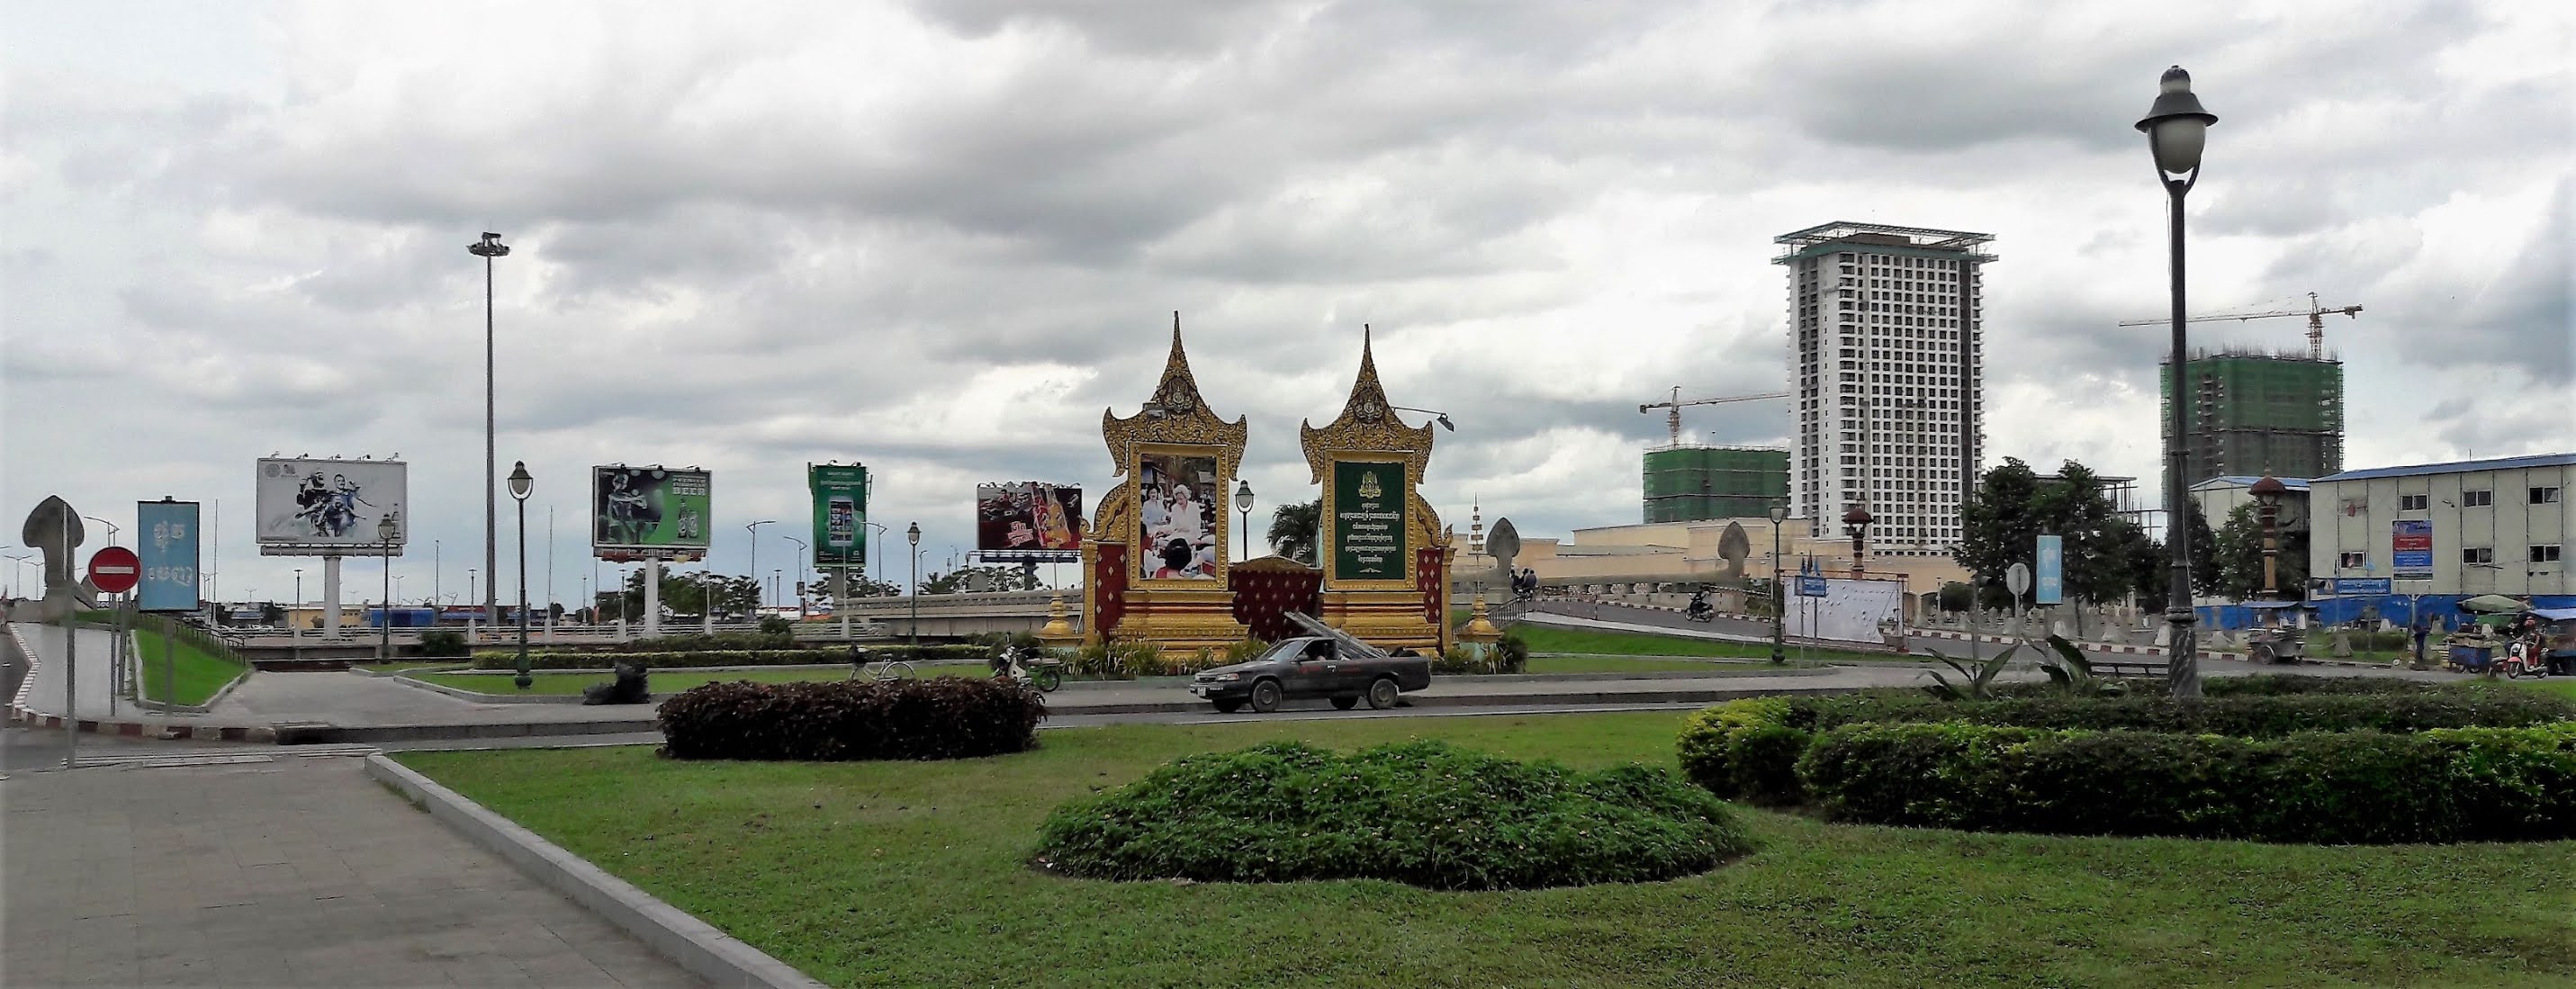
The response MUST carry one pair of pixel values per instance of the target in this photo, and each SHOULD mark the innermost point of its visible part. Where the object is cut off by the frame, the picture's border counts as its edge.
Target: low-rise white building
(2470, 527)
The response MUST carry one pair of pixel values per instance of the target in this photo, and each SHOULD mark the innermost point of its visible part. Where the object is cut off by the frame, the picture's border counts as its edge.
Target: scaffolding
(1697, 483)
(2254, 413)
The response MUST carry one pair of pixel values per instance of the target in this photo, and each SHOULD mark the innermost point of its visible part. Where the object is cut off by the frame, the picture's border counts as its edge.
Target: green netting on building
(1689, 484)
(2257, 414)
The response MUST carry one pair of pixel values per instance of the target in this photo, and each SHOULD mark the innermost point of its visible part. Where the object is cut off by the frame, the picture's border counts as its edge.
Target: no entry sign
(115, 570)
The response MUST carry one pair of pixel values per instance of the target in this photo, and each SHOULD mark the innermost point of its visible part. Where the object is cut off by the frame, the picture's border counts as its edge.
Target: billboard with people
(327, 507)
(658, 512)
(1028, 520)
(1178, 529)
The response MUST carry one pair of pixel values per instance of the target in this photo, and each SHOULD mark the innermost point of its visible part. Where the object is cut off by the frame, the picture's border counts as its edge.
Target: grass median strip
(200, 674)
(916, 873)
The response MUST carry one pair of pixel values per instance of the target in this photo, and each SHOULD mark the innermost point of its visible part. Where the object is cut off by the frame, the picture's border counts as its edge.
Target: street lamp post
(385, 614)
(803, 550)
(488, 248)
(111, 527)
(520, 485)
(1779, 592)
(1437, 416)
(754, 529)
(1243, 504)
(879, 572)
(913, 533)
(295, 622)
(2177, 129)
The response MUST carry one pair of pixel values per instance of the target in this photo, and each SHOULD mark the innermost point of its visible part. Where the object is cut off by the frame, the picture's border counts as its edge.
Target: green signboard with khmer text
(1368, 521)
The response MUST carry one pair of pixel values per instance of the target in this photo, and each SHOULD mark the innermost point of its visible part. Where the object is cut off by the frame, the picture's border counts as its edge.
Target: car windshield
(1285, 652)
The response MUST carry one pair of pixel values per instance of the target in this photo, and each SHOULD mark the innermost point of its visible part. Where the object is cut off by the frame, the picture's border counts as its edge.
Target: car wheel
(1265, 696)
(1345, 702)
(1382, 693)
(1228, 707)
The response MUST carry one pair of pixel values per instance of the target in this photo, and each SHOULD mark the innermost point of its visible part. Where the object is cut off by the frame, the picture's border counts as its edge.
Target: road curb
(706, 952)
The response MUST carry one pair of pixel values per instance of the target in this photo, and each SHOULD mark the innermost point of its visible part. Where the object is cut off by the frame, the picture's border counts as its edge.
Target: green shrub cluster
(443, 642)
(1119, 659)
(706, 642)
(2349, 787)
(1749, 749)
(1423, 813)
(503, 659)
(940, 718)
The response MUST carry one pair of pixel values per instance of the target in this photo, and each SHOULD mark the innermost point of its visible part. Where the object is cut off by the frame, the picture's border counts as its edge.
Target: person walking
(2420, 633)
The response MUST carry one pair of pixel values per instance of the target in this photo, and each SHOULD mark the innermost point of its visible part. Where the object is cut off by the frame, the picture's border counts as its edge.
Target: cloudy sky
(941, 238)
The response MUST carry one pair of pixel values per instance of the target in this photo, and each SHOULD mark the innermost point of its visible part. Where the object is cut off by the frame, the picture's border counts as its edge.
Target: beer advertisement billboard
(649, 511)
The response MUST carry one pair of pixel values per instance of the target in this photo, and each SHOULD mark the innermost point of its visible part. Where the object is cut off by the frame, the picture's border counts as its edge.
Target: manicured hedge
(940, 718)
(503, 659)
(1749, 749)
(2351, 787)
(1423, 813)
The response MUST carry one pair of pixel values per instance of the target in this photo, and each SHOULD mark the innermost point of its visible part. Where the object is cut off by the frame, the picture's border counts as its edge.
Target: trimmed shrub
(1423, 813)
(443, 642)
(703, 642)
(502, 659)
(2356, 787)
(2296, 684)
(940, 718)
(1748, 749)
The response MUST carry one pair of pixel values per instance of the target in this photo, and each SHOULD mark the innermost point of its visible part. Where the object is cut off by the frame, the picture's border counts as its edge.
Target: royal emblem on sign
(1369, 488)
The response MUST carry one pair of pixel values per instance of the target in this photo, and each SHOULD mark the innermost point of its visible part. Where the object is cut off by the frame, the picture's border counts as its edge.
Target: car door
(1315, 670)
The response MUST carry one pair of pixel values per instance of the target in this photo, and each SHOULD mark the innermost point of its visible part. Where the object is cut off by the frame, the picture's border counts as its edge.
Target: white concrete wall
(2356, 516)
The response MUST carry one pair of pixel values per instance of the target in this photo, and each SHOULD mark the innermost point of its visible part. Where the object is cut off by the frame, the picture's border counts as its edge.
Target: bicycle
(888, 669)
(1044, 674)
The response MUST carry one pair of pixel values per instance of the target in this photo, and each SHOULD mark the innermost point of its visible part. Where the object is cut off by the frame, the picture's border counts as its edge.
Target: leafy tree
(1296, 530)
(1957, 597)
(685, 594)
(2013, 506)
(989, 577)
(2239, 558)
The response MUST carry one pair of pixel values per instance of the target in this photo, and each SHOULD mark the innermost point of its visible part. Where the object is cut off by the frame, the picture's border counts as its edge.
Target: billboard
(1028, 520)
(840, 514)
(1177, 527)
(327, 507)
(166, 539)
(2410, 545)
(1368, 520)
(638, 512)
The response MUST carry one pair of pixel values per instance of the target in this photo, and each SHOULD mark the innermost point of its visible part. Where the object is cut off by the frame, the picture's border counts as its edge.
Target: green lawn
(663, 681)
(1642, 664)
(2562, 686)
(200, 674)
(1552, 639)
(915, 874)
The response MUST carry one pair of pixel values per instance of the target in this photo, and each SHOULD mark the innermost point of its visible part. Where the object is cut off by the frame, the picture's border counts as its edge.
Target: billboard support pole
(331, 597)
(653, 596)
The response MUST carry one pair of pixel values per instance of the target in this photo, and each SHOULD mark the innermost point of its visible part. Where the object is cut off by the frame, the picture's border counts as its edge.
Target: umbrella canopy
(2491, 603)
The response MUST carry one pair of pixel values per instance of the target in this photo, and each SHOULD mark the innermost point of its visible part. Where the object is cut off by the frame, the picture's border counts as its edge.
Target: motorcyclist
(1699, 603)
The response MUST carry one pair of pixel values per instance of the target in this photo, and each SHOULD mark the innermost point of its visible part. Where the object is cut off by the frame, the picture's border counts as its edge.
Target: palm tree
(1293, 530)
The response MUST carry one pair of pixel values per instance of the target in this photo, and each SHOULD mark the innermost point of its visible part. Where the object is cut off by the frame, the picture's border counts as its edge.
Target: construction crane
(2315, 313)
(1674, 418)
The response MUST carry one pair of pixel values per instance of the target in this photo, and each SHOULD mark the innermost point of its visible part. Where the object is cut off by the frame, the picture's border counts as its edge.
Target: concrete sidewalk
(276, 870)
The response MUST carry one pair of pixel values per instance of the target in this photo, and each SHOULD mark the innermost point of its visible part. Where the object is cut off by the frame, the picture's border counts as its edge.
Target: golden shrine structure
(1155, 561)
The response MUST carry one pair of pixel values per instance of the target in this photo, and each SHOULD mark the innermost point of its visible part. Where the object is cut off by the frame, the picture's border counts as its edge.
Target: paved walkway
(95, 686)
(276, 870)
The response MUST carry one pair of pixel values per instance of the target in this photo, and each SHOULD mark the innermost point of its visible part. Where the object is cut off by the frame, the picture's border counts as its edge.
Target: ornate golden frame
(1368, 431)
(1174, 420)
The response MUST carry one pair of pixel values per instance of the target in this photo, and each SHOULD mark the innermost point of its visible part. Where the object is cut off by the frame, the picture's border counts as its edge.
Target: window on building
(2544, 496)
(2477, 554)
(2350, 561)
(2413, 502)
(2477, 499)
(2544, 554)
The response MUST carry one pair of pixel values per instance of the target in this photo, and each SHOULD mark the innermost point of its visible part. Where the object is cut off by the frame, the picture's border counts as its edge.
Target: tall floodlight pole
(520, 485)
(488, 248)
(2177, 129)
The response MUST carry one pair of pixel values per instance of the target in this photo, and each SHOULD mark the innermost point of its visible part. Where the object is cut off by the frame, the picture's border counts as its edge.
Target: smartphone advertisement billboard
(840, 514)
